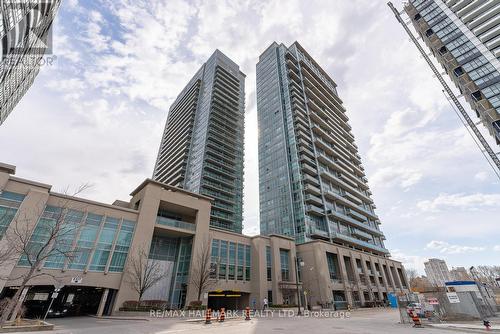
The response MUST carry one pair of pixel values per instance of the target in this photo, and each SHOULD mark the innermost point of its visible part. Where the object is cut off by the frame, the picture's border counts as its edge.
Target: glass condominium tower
(311, 181)
(202, 146)
(464, 36)
(24, 34)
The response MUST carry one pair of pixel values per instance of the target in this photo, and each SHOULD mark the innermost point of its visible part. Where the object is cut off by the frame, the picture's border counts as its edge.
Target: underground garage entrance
(69, 301)
(228, 299)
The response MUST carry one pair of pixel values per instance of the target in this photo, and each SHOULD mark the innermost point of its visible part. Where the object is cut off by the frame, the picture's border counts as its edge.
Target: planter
(26, 325)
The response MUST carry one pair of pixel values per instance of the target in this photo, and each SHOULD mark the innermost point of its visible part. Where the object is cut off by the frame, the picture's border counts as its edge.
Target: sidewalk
(473, 325)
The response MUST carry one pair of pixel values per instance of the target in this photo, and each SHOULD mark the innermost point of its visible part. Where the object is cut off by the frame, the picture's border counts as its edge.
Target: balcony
(217, 186)
(340, 198)
(360, 243)
(496, 128)
(315, 210)
(361, 234)
(312, 189)
(309, 179)
(353, 222)
(352, 198)
(175, 223)
(313, 199)
(309, 170)
(316, 233)
(356, 215)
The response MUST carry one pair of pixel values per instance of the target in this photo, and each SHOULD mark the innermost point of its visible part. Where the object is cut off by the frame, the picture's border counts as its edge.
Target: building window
(232, 261)
(122, 246)
(268, 263)
(214, 258)
(223, 260)
(85, 242)
(333, 266)
(241, 262)
(103, 249)
(6, 216)
(248, 263)
(69, 222)
(10, 196)
(285, 264)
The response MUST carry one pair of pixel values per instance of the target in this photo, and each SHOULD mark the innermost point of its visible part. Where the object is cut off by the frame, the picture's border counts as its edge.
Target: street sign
(453, 297)
(55, 294)
(76, 280)
(433, 301)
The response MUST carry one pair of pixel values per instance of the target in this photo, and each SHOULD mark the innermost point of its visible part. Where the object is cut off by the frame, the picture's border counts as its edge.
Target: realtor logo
(30, 31)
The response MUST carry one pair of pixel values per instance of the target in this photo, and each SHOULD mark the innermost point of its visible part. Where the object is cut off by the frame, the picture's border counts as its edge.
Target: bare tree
(412, 275)
(200, 274)
(55, 234)
(486, 274)
(143, 272)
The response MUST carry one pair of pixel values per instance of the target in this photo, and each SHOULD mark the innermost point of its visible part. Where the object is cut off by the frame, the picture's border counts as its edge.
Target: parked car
(57, 311)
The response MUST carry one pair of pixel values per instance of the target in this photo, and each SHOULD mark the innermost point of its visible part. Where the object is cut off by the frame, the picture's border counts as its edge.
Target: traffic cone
(222, 315)
(247, 313)
(416, 319)
(208, 317)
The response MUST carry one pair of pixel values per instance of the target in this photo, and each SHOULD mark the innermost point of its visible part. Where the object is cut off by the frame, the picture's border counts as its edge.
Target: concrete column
(377, 284)
(104, 297)
(384, 279)
(356, 278)
(345, 278)
(396, 279)
(367, 277)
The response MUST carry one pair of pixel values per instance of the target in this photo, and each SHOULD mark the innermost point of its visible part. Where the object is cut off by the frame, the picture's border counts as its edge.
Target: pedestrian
(265, 304)
(254, 304)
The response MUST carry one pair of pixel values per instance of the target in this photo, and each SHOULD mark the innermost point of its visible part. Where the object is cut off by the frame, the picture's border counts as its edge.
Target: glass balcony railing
(175, 223)
(360, 243)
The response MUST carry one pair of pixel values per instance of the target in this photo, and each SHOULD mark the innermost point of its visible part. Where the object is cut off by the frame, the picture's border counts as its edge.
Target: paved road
(362, 322)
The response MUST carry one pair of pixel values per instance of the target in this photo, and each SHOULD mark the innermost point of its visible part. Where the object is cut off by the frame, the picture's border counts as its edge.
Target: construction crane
(485, 148)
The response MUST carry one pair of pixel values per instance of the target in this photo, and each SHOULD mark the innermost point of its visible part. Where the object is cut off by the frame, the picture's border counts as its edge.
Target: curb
(118, 318)
(474, 329)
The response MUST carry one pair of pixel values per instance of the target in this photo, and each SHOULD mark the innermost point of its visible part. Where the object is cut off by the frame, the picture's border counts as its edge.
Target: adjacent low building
(437, 272)
(172, 226)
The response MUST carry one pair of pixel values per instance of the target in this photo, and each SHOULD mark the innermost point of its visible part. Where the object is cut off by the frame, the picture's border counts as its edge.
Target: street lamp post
(297, 263)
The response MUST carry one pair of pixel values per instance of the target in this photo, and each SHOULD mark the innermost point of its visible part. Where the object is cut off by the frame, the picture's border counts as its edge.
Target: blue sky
(97, 114)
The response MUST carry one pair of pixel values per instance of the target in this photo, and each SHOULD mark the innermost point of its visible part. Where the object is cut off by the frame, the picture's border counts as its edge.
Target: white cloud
(481, 176)
(459, 201)
(98, 115)
(446, 248)
(409, 261)
(496, 248)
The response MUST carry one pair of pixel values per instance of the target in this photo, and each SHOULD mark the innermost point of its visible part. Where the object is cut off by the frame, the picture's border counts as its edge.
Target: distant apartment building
(437, 272)
(171, 226)
(202, 146)
(24, 31)
(460, 274)
(312, 184)
(464, 36)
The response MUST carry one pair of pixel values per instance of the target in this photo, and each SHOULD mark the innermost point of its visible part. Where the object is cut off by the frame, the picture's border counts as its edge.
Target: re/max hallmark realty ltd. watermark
(289, 313)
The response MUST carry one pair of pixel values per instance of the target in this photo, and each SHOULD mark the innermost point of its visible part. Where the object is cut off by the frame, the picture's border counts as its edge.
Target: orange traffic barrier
(222, 315)
(416, 319)
(247, 313)
(208, 317)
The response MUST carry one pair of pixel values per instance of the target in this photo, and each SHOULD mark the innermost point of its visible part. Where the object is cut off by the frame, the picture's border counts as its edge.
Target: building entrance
(228, 299)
